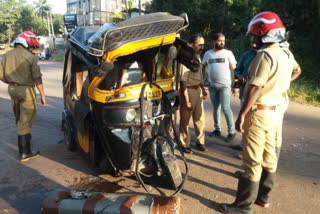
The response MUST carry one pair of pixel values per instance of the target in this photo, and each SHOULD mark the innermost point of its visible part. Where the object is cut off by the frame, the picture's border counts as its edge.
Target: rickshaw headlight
(131, 114)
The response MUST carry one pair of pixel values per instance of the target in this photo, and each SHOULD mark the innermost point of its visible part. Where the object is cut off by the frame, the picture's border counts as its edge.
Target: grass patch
(58, 57)
(304, 91)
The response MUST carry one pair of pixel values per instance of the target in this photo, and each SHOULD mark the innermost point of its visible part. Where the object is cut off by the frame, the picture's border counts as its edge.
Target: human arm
(2, 71)
(296, 71)
(39, 85)
(185, 94)
(204, 93)
(259, 72)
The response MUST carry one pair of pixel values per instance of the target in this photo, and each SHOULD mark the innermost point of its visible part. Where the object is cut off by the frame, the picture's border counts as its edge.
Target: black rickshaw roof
(96, 41)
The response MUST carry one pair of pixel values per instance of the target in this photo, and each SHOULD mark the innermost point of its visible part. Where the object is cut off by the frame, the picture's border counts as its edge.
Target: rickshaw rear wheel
(68, 137)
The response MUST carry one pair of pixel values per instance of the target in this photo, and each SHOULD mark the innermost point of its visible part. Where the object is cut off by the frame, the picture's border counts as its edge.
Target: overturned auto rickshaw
(119, 101)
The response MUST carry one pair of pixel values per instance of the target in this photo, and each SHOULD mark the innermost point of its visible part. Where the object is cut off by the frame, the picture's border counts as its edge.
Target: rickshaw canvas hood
(98, 40)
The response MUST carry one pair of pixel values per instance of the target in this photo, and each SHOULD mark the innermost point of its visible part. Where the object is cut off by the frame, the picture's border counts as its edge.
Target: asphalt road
(24, 186)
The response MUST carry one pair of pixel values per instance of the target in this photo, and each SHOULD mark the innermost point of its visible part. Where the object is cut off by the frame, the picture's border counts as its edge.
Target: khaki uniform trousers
(259, 142)
(197, 114)
(23, 99)
(283, 106)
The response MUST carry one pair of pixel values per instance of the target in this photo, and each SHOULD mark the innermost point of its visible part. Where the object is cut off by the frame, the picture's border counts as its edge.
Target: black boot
(265, 187)
(25, 148)
(246, 195)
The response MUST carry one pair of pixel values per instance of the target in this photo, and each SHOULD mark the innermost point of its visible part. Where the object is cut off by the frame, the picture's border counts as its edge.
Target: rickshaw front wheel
(172, 170)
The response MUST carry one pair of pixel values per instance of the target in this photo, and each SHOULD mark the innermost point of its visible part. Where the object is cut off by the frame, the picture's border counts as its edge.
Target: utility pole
(139, 7)
(48, 22)
(52, 31)
(126, 2)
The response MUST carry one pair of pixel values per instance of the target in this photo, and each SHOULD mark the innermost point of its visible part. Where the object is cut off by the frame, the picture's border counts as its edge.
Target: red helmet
(262, 23)
(27, 39)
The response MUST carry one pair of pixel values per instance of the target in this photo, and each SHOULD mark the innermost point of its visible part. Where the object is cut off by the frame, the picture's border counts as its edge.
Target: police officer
(260, 115)
(283, 105)
(20, 70)
(192, 96)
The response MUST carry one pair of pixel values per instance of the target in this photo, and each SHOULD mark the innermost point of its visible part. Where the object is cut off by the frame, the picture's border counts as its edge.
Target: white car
(2, 46)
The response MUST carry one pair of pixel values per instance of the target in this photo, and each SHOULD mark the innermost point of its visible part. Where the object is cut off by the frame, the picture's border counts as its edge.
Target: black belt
(193, 86)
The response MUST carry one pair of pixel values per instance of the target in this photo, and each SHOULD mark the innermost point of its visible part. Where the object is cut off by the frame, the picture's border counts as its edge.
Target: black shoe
(236, 147)
(215, 133)
(187, 150)
(25, 148)
(201, 147)
(231, 208)
(26, 157)
(230, 137)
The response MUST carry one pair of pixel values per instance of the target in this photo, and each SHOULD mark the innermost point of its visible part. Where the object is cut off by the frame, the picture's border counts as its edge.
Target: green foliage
(9, 14)
(29, 21)
(231, 17)
(118, 16)
(41, 7)
(58, 24)
(16, 17)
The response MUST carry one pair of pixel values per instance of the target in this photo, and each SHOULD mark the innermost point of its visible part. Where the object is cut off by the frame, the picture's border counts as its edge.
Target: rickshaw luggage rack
(98, 40)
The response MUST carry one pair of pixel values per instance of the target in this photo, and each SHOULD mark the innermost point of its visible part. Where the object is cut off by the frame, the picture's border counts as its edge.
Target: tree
(58, 24)
(29, 21)
(9, 14)
(118, 16)
(42, 9)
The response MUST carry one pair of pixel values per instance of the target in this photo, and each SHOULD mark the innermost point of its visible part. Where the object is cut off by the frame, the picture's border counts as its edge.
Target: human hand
(43, 101)
(235, 91)
(239, 123)
(204, 95)
(189, 105)
(243, 80)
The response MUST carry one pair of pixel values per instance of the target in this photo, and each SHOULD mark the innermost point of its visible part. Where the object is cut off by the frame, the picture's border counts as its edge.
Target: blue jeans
(220, 97)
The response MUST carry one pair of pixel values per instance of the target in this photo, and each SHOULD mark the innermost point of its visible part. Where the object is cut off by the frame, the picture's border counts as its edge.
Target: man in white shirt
(221, 64)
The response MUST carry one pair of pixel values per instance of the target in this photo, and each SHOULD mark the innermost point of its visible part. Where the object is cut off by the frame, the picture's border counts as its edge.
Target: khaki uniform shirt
(191, 78)
(268, 70)
(292, 67)
(20, 66)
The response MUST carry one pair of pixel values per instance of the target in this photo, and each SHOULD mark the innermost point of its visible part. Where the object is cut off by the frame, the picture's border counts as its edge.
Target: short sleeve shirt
(191, 78)
(20, 66)
(219, 67)
(269, 70)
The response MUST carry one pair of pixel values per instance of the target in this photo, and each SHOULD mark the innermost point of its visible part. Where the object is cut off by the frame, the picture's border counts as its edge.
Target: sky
(58, 6)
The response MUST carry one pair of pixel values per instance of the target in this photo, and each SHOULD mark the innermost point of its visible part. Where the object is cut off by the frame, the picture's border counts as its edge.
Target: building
(96, 12)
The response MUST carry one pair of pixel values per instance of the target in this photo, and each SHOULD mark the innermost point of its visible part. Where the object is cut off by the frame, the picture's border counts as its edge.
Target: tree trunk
(9, 32)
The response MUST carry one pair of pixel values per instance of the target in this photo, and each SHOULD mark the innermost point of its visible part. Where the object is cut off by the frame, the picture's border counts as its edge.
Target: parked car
(2, 46)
